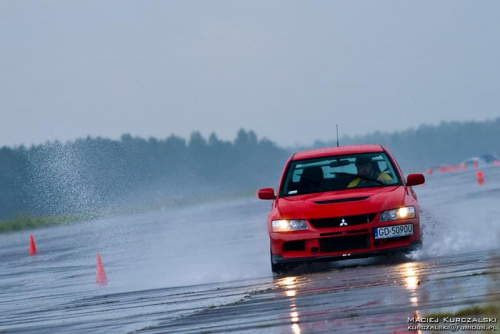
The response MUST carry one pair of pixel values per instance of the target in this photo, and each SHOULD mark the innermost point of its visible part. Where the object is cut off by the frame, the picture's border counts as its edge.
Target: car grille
(336, 221)
(341, 244)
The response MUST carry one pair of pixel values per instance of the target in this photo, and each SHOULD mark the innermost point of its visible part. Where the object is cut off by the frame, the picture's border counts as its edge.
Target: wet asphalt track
(205, 269)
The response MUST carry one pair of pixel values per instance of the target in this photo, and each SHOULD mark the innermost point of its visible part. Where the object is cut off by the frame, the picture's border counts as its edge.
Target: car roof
(329, 151)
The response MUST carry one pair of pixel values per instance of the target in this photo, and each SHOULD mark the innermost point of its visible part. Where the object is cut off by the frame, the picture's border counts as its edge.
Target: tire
(278, 268)
(397, 257)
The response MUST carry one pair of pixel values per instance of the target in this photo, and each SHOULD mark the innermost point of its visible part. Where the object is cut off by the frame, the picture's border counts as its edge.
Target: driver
(367, 171)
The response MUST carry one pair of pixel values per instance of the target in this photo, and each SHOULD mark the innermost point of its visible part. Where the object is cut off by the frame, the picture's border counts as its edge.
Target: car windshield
(337, 173)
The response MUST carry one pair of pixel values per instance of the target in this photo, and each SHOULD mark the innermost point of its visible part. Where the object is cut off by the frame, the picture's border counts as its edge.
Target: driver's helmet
(363, 160)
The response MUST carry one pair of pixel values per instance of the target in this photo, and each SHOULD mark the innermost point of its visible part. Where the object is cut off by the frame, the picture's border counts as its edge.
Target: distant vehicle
(480, 160)
(489, 158)
(325, 210)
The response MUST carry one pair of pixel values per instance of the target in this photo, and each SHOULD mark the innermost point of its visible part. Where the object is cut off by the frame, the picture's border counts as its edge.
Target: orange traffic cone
(32, 245)
(480, 177)
(101, 278)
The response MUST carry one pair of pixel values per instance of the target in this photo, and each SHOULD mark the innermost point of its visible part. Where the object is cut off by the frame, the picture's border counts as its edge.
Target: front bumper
(278, 259)
(334, 243)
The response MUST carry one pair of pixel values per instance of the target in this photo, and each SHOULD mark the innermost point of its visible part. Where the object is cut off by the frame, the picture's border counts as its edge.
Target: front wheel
(280, 268)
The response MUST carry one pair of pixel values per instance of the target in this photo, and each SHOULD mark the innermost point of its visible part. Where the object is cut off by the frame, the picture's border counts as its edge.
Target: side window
(293, 182)
(386, 167)
(296, 175)
(382, 166)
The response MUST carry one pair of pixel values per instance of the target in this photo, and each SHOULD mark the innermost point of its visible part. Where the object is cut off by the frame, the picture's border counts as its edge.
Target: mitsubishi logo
(343, 223)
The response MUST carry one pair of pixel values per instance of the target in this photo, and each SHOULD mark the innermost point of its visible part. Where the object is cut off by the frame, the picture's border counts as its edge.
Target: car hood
(343, 203)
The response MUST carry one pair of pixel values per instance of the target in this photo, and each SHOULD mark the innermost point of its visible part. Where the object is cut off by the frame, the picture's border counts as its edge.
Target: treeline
(92, 173)
(430, 146)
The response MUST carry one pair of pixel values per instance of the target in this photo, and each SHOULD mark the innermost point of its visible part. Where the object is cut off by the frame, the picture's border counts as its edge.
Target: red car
(342, 202)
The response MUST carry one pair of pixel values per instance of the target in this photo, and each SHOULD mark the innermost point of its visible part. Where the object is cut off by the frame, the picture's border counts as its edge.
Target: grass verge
(24, 222)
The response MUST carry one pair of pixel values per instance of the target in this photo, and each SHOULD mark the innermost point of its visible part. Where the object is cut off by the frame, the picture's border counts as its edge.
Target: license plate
(393, 231)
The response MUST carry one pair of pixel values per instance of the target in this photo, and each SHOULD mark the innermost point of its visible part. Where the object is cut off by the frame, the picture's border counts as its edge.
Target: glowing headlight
(289, 225)
(396, 214)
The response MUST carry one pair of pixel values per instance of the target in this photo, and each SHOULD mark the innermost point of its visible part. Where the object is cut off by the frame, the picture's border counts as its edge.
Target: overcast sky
(289, 70)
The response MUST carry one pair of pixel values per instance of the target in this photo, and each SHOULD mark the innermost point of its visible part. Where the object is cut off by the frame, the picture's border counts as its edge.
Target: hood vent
(342, 200)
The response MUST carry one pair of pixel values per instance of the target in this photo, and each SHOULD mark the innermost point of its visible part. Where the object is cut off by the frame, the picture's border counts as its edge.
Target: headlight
(396, 214)
(289, 225)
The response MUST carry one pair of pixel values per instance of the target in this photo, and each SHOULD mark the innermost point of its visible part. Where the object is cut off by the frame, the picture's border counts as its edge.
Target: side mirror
(266, 193)
(415, 179)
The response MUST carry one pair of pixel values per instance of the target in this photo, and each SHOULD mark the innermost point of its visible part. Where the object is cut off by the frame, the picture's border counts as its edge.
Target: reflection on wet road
(205, 269)
(368, 295)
